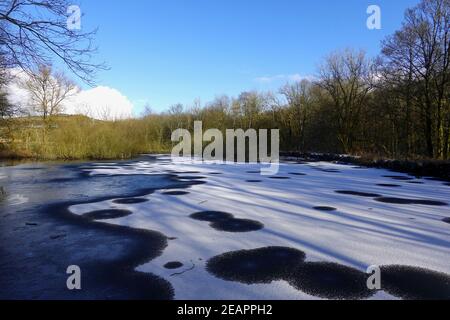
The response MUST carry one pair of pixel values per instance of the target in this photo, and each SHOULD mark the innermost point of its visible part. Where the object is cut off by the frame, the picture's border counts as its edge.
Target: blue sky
(163, 52)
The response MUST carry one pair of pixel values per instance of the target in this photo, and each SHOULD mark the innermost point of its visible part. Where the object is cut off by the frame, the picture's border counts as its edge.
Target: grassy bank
(79, 137)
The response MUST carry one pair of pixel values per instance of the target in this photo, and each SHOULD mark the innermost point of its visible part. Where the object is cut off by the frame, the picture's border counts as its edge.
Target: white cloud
(269, 79)
(16, 94)
(295, 77)
(102, 102)
(281, 77)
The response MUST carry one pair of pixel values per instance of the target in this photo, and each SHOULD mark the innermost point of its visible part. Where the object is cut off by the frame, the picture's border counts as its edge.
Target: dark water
(39, 238)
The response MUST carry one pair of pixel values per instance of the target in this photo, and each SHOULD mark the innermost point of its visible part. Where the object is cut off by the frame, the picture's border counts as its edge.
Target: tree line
(394, 105)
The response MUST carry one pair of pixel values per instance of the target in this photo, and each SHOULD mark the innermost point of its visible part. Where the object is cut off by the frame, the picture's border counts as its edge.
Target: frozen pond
(194, 230)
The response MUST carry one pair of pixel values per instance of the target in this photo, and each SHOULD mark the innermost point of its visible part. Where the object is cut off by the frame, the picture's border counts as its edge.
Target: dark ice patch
(324, 208)
(107, 214)
(297, 173)
(191, 178)
(193, 182)
(331, 281)
(410, 201)
(31, 168)
(173, 265)
(400, 178)
(175, 193)
(211, 216)
(237, 225)
(224, 221)
(330, 170)
(130, 201)
(262, 265)
(279, 178)
(253, 181)
(119, 283)
(415, 283)
(358, 193)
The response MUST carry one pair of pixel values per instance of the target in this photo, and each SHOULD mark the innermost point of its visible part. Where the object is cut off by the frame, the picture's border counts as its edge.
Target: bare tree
(252, 104)
(176, 112)
(47, 91)
(274, 104)
(298, 97)
(418, 57)
(34, 32)
(148, 111)
(348, 78)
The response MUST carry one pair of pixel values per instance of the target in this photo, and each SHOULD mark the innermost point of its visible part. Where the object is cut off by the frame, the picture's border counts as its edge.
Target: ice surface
(360, 233)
